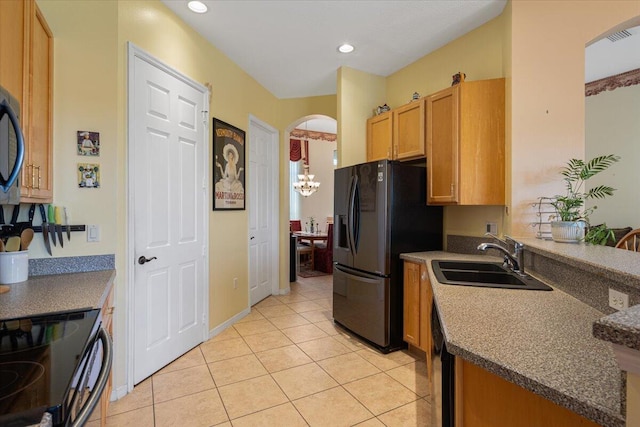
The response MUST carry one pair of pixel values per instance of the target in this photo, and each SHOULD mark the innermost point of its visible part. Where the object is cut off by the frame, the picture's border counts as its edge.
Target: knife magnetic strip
(38, 228)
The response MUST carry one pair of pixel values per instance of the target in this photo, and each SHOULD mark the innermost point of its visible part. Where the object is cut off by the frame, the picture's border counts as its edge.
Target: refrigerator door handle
(350, 212)
(361, 277)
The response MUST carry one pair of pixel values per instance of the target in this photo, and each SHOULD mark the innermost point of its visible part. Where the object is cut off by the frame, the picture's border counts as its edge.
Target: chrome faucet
(514, 261)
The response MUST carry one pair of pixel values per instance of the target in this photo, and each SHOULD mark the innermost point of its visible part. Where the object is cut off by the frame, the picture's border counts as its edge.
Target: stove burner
(18, 376)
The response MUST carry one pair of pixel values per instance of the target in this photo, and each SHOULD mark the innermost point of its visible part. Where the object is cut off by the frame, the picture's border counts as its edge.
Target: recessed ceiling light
(345, 48)
(197, 6)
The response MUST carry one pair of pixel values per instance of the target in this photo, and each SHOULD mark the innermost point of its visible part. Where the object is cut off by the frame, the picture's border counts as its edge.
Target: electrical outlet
(618, 300)
(491, 227)
(235, 283)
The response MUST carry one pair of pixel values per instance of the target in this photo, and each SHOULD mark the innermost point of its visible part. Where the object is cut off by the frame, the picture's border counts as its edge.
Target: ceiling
(606, 58)
(290, 46)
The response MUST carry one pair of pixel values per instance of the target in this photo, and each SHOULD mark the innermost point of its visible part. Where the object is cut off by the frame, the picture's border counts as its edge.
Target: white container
(14, 267)
(568, 231)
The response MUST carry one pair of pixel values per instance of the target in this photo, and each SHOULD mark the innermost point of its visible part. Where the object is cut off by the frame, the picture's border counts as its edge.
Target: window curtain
(298, 150)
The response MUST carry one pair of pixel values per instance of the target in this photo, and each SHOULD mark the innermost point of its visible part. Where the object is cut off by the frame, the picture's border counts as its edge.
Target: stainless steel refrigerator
(380, 211)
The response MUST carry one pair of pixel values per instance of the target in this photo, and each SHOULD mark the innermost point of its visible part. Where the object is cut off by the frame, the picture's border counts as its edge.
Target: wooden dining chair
(630, 241)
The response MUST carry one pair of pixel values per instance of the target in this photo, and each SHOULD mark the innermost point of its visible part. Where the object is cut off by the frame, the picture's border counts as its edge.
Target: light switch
(93, 233)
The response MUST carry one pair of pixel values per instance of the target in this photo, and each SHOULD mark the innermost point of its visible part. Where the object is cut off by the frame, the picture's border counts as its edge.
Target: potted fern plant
(572, 217)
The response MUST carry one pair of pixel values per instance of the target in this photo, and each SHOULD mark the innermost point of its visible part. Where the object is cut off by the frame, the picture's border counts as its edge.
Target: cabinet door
(426, 304)
(379, 136)
(408, 131)
(13, 45)
(107, 324)
(443, 136)
(411, 328)
(38, 158)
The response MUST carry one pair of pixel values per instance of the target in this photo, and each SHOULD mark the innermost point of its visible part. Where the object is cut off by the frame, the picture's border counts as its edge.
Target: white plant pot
(568, 231)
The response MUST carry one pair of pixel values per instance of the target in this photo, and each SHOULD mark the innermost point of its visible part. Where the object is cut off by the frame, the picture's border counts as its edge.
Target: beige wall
(84, 98)
(612, 127)
(90, 94)
(479, 54)
(359, 93)
(294, 111)
(548, 41)
(320, 206)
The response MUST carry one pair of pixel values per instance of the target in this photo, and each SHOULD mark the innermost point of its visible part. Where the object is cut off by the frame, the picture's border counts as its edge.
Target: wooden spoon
(1, 245)
(13, 244)
(25, 238)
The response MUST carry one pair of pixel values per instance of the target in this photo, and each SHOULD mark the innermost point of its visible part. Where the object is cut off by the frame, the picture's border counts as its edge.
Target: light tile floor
(285, 364)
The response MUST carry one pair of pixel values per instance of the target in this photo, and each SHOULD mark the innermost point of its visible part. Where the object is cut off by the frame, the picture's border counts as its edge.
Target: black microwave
(11, 148)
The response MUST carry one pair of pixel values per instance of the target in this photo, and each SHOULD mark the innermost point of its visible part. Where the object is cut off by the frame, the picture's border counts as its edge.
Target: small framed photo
(229, 167)
(88, 175)
(88, 143)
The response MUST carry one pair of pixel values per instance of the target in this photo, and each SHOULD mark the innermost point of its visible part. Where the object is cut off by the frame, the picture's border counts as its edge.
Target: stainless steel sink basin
(483, 274)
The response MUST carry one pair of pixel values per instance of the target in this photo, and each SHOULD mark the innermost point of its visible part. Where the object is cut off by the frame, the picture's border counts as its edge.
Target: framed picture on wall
(228, 167)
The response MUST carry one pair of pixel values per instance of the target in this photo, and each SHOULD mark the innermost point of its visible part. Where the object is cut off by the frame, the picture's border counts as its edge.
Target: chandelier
(306, 185)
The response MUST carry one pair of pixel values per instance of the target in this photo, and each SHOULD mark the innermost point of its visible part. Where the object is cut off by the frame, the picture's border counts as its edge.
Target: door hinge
(204, 250)
(205, 117)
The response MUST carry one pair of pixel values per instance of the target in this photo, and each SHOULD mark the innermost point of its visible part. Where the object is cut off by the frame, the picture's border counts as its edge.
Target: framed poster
(228, 167)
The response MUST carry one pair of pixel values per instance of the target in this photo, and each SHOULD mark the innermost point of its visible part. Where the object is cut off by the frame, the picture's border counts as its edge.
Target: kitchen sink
(483, 274)
(470, 265)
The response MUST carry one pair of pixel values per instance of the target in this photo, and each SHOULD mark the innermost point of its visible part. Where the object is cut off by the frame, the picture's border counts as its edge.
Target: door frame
(134, 52)
(275, 222)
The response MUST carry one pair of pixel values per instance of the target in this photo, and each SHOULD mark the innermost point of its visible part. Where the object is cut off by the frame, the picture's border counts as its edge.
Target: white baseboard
(285, 291)
(118, 393)
(221, 327)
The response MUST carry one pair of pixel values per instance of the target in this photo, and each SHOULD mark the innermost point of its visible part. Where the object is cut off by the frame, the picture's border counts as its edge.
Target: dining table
(312, 238)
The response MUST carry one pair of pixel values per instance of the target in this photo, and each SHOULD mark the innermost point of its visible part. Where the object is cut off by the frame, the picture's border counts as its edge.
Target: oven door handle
(101, 382)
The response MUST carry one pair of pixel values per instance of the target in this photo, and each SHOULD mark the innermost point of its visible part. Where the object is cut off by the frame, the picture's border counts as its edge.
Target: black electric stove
(39, 360)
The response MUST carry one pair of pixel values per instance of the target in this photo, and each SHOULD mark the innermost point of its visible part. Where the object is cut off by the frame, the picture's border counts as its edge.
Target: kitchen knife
(58, 216)
(15, 214)
(66, 223)
(45, 229)
(52, 224)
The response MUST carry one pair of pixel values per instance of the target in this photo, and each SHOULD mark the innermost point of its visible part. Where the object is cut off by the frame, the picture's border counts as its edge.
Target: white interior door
(263, 210)
(167, 145)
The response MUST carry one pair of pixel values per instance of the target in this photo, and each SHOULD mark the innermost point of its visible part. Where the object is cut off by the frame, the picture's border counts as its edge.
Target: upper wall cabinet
(397, 134)
(37, 183)
(408, 131)
(379, 135)
(26, 70)
(465, 144)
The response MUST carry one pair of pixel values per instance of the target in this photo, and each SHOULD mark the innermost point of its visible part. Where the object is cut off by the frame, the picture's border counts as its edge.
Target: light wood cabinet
(37, 173)
(13, 45)
(26, 70)
(465, 144)
(107, 324)
(417, 303)
(379, 136)
(409, 130)
(398, 134)
(483, 399)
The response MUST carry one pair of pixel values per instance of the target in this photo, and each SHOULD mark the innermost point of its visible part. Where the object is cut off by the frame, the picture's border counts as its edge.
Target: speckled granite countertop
(56, 293)
(621, 328)
(539, 340)
(624, 266)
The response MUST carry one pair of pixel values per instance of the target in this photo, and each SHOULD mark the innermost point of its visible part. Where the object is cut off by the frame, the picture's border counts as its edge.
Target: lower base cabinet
(107, 324)
(417, 305)
(483, 399)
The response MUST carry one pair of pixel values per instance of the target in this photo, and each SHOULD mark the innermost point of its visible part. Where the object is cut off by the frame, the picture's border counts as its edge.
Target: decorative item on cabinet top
(382, 109)
(458, 78)
(415, 96)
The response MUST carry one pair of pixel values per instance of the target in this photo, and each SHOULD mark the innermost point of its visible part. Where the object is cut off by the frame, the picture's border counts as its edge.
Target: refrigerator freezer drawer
(361, 304)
